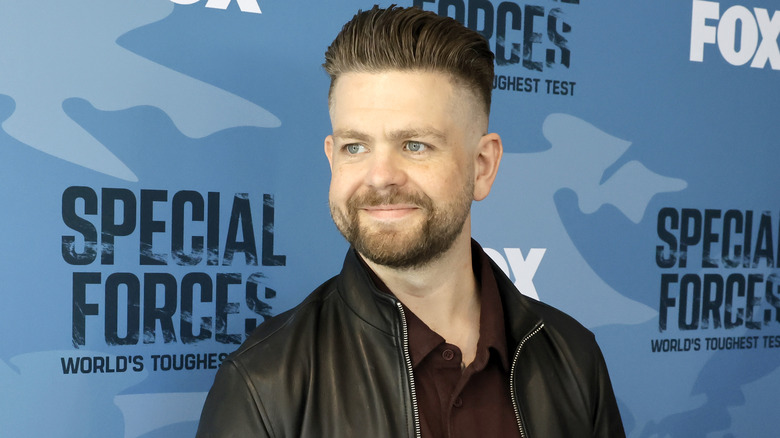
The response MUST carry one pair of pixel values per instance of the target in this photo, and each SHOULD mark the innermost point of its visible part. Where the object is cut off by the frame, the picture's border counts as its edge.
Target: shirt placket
(448, 360)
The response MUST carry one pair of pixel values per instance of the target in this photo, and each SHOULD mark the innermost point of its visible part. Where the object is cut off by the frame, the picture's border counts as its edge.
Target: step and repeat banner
(165, 191)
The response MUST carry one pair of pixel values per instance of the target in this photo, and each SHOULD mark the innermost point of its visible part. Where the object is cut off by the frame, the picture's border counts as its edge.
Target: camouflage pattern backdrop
(165, 190)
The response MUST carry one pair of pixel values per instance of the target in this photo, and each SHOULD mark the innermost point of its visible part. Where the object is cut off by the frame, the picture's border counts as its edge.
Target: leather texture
(334, 366)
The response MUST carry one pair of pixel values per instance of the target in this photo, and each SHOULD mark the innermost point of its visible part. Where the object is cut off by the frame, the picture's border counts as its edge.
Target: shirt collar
(492, 332)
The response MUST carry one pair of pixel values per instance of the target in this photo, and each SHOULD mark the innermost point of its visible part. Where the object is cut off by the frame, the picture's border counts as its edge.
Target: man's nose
(386, 169)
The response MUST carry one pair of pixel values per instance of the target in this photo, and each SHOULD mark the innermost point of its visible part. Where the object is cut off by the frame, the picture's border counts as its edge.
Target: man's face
(402, 162)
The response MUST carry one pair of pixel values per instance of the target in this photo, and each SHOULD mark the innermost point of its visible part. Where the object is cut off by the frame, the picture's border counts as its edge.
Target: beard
(403, 246)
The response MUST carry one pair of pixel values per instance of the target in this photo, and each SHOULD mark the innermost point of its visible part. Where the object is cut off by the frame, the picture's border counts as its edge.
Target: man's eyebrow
(351, 134)
(401, 134)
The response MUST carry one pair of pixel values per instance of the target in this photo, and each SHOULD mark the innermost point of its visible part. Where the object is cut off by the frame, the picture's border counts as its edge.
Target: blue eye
(355, 148)
(415, 146)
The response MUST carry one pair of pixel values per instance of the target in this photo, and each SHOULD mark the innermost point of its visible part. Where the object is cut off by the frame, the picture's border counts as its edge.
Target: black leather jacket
(338, 365)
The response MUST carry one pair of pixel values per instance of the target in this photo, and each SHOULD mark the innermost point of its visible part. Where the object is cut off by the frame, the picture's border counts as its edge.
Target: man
(420, 334)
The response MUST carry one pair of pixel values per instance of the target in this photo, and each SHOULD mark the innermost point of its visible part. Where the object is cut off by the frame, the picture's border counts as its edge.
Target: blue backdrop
(164, 190)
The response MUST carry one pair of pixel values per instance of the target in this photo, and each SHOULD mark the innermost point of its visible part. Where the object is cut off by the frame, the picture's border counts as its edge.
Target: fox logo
(756, 32)
(244, 5)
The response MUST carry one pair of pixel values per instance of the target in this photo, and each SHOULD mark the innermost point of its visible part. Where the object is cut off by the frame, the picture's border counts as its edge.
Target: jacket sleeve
(232, 408)
(607, 422)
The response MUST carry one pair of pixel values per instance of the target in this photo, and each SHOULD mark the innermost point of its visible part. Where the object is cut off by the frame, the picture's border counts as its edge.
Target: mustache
(373, 198)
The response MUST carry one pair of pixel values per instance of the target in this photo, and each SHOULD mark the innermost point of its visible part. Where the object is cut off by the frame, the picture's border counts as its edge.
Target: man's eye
(415, 146)
(355, 148)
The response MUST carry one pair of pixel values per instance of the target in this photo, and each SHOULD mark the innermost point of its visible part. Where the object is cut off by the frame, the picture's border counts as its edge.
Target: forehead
(391, 87)
(400, 96)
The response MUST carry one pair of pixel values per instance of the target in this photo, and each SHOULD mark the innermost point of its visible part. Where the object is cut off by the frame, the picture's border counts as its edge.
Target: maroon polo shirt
(454, 401)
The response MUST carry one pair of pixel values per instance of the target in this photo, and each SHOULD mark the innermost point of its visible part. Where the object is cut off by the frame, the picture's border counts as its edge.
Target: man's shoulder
(275, 335)
(559, 321)
(567, 337)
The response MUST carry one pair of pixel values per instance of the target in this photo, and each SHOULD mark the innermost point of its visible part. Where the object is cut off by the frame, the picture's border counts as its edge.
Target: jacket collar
(365, 299)
(380, 309)
(519, 318)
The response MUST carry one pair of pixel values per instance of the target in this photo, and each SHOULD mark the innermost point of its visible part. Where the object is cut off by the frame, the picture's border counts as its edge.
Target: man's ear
(328, 146)
(486, 160)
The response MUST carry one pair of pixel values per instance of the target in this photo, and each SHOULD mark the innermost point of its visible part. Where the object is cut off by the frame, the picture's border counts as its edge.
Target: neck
(444, 294)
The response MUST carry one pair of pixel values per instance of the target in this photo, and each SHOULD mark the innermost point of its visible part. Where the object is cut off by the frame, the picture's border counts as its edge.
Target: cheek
(452, 179)
(342, 185)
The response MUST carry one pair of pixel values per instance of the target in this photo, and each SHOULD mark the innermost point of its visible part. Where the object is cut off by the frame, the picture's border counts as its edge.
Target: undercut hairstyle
(411, 39)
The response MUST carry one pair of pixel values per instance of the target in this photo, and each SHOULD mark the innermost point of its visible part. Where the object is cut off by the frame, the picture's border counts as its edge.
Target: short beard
(404, 249)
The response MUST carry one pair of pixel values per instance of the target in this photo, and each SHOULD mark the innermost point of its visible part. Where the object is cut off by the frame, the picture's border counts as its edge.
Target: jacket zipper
(409, 370)
(512, 391)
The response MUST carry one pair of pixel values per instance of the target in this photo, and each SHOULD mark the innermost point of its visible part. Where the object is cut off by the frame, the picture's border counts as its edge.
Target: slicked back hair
(411, 39)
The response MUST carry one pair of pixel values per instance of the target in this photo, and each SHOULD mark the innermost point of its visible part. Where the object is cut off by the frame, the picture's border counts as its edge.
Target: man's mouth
(390, 211)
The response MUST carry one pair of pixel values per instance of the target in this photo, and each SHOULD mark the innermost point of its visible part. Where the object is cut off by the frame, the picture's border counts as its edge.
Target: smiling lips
(389, 212)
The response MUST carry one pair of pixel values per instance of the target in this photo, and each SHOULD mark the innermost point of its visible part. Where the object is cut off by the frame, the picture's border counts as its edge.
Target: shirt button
(458, 402)
(447, 354)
